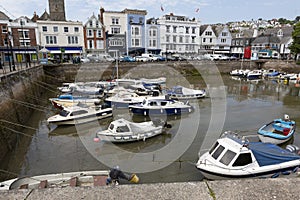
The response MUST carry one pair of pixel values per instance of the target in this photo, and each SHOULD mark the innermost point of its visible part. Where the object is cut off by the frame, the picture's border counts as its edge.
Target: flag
(197, 10)
(161, 8)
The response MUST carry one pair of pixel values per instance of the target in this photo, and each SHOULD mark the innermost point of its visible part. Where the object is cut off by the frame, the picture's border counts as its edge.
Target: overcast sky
(208, 11)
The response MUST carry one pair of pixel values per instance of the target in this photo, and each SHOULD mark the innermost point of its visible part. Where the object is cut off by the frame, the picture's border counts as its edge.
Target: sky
(207, 11)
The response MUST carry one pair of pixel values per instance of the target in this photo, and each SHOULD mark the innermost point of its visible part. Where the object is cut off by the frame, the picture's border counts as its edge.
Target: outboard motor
(293, 148)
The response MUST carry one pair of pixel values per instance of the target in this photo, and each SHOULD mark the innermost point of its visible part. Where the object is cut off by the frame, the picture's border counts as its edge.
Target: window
(76, 29)
(116, 42)
(22, 23)
(55, 29)
(90, 42)
(44, 28)
(218, 152)
(208, 33)
(223, 40)
(91, 23)
(243, 159)
(79, 112)
(90, 33)
(204, 39)
(210, 40)
(122, 129)
(167, 38)
(227, 157)
(66, 29)
(99, 33)
(4, 29)
(115, 30)
(180, 39)
(168, 29)
(50, 39)
(135, 42)
(174, 39)
(193, 30)
(135, 31)
(115, 21)
(187, 30)
(224, 34)
(174, 29)
(72, 39)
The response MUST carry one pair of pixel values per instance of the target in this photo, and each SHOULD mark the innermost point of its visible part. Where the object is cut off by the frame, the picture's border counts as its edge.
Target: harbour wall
(19, 94)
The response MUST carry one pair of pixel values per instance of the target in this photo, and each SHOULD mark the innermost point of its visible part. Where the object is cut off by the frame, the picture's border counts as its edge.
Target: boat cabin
(231, 154)
(119, 126)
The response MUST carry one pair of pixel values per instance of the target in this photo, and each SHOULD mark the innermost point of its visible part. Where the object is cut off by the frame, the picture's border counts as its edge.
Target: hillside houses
(130, 32)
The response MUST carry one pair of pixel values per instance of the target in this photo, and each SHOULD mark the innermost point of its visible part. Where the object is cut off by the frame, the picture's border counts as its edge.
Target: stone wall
(17, 92)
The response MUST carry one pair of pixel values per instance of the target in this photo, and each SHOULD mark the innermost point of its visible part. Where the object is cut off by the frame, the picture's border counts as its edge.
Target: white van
(150, 56)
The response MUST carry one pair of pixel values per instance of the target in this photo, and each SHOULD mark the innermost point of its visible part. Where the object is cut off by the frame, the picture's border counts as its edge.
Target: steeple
(57, 10)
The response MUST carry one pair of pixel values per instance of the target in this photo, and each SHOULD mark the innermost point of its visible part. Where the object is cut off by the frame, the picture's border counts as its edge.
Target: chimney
(101, 14)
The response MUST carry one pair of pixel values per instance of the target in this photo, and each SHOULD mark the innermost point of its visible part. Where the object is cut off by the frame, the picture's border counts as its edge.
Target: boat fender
(145, 113)
(275, 175)
(175, 111)
(161, 111)
(295, 169)
(144, 139)
(293, 148)
(285, 172)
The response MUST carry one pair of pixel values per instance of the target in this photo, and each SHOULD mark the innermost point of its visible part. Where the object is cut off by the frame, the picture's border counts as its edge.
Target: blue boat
(278, 131)
(160, 106)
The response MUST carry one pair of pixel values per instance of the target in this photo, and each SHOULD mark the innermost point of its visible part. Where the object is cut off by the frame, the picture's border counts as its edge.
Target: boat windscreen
(64, 113)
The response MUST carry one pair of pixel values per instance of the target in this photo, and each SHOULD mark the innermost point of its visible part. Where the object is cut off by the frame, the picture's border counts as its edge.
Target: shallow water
(170, 157)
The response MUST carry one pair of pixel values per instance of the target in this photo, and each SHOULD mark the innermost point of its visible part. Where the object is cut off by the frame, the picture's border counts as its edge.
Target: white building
(179, 34)
(63, 39)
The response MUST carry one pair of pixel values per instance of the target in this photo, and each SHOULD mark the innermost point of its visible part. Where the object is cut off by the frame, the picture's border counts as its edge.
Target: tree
(295, 47)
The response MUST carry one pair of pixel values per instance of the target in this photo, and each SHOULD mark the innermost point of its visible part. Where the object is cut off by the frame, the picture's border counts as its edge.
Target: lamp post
(8, 52)
(10, 37)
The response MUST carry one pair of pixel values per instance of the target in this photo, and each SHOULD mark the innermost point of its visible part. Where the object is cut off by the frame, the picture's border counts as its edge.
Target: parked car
(159, 58)
(84, 60)
(141, 59)
(126, 59)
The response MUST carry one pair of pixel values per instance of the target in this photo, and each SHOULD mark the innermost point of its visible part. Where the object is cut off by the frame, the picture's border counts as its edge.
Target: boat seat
(43, 184)
(24, 186)
(100, 180)
(73, 181)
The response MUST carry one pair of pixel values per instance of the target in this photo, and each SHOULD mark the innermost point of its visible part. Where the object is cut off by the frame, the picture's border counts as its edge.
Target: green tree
(295, 47)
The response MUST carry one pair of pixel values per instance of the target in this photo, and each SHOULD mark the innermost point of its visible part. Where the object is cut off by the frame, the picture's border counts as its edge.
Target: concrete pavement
(280, 188)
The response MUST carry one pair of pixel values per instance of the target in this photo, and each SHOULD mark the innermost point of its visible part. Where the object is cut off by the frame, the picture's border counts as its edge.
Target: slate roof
(3, 16)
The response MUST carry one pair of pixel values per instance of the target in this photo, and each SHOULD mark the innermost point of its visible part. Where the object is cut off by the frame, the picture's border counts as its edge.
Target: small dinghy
(278, 131)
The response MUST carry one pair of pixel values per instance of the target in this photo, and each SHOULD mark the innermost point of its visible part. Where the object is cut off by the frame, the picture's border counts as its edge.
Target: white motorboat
(80, 114)
(233, 157)
(73, 179)
(160, 106)
(67, 100)
(254, 74)
(122, 130)
(123, 100)
(183, 93)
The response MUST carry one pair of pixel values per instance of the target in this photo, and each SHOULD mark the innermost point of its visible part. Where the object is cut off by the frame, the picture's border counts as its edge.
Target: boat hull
(130, 137)
(160, 111)
(105, 113)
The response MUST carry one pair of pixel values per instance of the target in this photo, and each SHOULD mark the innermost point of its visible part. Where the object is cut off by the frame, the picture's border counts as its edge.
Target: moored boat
(183, 93)
(122, 130)
(73, 179)
(67, 100)
(80, 114)
(233, 157)
(160, 106)
(278, 131)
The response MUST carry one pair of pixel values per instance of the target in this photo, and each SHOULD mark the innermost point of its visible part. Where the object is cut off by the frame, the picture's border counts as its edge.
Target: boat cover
(271, 154)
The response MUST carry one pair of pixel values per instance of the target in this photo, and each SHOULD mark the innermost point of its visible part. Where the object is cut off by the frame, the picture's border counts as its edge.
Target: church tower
(57, 10)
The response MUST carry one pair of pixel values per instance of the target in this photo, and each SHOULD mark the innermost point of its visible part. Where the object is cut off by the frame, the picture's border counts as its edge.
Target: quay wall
(19, 93)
